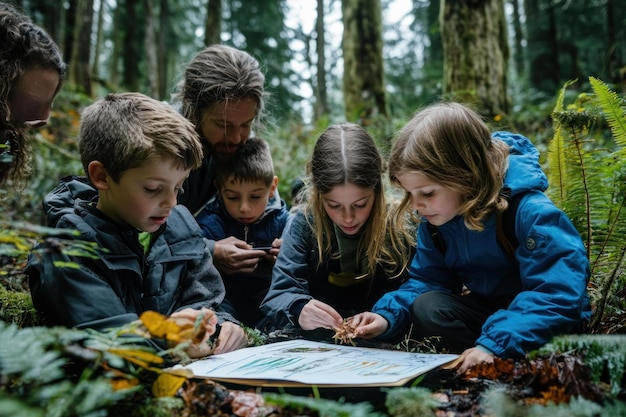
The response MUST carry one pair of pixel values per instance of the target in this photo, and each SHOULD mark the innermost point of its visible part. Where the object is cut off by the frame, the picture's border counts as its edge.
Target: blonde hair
(451, 145)
(347, 154)
(123, 131)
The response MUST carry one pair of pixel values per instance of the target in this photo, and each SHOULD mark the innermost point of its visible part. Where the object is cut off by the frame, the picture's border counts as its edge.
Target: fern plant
(587, 180)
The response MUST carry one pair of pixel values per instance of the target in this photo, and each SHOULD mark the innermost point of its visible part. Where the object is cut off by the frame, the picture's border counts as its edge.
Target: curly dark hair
(23, 46)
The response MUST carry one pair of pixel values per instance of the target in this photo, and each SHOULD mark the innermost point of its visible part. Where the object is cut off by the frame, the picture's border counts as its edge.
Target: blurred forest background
(373, 62)
(553, 70)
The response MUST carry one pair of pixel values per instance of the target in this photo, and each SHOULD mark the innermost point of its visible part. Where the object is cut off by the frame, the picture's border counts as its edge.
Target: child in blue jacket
(247, 208)
(471, 297)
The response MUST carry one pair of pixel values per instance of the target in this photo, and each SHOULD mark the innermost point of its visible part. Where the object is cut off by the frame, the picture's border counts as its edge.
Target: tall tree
(476, 53)
(363, 75)
(543, 52)
(213, 23)
(150, 47)
(321, 98)
(67, 41)
(95, 64)
(518, 39)
(162, 50)
(118, 45)
(132, 24)
(80, 64)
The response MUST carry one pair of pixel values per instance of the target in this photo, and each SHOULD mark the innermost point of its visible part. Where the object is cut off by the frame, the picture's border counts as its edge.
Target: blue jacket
(114, 290)
(547, 284)
(244, 292)
(296, 279)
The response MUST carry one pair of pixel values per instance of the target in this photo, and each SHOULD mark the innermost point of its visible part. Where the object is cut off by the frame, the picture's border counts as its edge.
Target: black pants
(455, 319)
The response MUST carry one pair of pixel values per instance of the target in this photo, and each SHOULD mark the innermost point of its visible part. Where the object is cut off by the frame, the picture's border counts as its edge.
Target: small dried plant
(345, 333)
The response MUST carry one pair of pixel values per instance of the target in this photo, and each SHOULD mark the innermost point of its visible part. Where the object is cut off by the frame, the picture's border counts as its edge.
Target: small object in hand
(345, 333)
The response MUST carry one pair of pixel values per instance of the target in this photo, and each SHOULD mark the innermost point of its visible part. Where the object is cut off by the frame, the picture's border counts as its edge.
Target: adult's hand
(273, 252)
(316, 314)
(232, 255)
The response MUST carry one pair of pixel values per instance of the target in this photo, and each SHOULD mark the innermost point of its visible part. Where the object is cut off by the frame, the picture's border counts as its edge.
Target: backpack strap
(440, 244)
(505, 226)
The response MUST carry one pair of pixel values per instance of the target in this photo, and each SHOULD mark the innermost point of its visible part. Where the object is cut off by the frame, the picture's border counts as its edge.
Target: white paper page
(314, 363)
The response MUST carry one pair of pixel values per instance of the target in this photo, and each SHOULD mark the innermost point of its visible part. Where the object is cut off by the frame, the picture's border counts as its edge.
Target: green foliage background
(583, 148)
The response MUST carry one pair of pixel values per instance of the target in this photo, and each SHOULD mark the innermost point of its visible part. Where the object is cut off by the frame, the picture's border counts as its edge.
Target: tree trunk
(213, 24)
(80, 67)
(150, 46)
(95, 65)
(476, 53)
(518, 41)
(118, 45)
(130, 45)
(321, 102)
(543, 54)
(162, 51)
(363, 75)
(70, 23)
(612, 65)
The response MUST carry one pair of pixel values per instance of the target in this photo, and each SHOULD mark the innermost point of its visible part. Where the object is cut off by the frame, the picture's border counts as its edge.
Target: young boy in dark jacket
(247, 207)
(137, 153)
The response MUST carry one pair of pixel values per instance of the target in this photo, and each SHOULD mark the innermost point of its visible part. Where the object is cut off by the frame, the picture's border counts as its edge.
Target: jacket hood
(524, 172)
(61, 199)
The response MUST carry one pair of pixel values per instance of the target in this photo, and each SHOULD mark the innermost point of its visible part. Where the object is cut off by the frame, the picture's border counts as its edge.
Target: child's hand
(474, 356)
(232, 337)
(369, 325)
(316, 314)
(206, 322)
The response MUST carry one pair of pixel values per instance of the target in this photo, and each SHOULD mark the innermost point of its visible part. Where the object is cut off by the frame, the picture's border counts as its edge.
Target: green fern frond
(556, 167)
(613, 108)
(556, 154)
(588, 182)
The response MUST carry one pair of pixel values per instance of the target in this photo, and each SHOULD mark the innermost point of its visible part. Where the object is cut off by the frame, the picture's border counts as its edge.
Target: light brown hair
(123, 131)
(347, 154)
(451, 145)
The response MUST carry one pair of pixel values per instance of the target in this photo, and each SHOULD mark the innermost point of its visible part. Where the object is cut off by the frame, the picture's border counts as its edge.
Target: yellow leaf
(167, 384)
(160, 326)
(124, 383)
(139, 357)
(15, 241)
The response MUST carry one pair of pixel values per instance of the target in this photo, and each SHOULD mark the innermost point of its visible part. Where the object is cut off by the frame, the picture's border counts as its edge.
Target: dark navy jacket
(244, 292)
(297, 278)
(114, 290)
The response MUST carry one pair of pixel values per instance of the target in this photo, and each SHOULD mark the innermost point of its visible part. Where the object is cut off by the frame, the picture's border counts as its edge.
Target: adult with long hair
(31, 75)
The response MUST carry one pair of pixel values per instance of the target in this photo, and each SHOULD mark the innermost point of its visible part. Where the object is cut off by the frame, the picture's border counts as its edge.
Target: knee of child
(426, 307)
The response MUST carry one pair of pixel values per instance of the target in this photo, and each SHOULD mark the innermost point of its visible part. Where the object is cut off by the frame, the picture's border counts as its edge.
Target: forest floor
(555, 379)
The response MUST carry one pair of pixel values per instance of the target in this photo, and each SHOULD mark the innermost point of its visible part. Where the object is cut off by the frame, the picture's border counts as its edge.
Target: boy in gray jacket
(137, 153)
